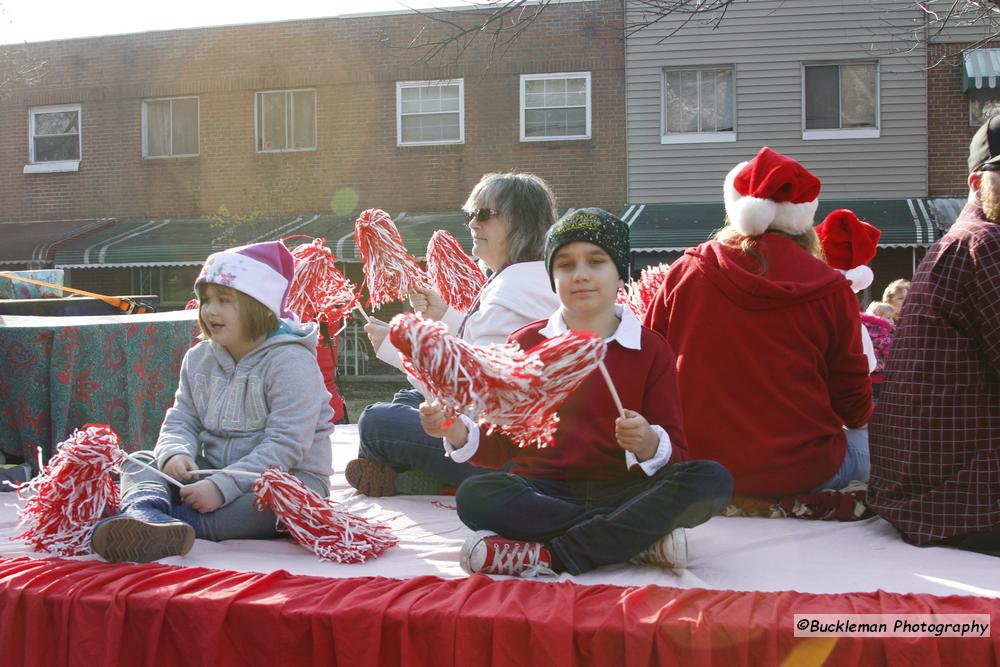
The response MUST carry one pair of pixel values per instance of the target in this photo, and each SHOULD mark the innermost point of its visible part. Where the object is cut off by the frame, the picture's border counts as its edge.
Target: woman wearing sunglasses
(508, 215)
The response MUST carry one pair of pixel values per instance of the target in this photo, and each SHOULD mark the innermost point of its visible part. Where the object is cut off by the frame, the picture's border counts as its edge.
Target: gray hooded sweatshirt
(270, 409)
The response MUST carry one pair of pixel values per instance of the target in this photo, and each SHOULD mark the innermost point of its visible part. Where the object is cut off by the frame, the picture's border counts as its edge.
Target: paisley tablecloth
(58, 373)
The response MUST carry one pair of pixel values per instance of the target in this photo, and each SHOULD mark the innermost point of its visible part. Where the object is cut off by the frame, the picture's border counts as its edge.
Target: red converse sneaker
(487, 552)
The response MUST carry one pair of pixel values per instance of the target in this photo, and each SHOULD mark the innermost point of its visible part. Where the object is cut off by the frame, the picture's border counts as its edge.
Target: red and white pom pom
(498, 385)
(72, 493)
(638, 295)
(391, 272)
(567, 360)
(466, 378)
(458, 278)
(319, 291)
(192, 304)
(317, 523)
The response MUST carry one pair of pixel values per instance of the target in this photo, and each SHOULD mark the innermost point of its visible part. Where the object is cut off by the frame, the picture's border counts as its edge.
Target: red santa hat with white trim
(849, 244)
(771, 192)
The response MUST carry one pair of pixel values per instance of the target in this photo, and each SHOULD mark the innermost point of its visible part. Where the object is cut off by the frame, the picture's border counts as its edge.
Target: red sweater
(771, 366)
(585, 445)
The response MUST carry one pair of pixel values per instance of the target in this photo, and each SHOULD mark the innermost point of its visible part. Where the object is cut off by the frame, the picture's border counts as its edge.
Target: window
(983, 105)
(170, 127)
(698, 105)
(54, 139)
(555, 106)
(430, 112)
(841, 101)
(286, 120)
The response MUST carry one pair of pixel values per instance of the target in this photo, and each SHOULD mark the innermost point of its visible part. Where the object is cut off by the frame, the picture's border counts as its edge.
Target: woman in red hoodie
(768, 341)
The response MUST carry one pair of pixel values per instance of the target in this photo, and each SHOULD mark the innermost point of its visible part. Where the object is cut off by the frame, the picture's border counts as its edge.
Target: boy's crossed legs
(584, 524)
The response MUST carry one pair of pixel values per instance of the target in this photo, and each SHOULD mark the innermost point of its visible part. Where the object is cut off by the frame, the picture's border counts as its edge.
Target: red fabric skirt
(62, 612)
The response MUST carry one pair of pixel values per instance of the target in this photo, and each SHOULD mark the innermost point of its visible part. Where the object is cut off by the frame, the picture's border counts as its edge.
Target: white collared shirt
(628, 335)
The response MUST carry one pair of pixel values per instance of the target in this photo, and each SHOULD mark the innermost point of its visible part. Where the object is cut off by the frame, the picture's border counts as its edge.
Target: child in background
(611, 488)
(250, 397)
(878, 320)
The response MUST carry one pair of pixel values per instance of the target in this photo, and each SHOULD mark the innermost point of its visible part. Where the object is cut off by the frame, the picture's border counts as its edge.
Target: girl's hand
(428, 303)
(634, 434)
(377, 330)
(439, 422)
(177, 466)
(204, 496)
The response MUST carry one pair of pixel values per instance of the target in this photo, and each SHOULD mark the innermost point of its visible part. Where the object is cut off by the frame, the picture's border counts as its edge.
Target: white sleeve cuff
(661, 458)
(463, 454)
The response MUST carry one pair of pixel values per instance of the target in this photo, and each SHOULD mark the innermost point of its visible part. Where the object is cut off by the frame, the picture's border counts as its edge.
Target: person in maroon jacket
(935, 435)
(768, 341)
(611, 488)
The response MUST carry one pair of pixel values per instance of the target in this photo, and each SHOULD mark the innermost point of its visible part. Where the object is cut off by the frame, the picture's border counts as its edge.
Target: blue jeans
(857, 461)
(239, 520)
(590, 523)
(391, 434)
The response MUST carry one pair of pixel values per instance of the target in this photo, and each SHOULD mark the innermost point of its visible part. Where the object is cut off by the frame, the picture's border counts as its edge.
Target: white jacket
(519, 294)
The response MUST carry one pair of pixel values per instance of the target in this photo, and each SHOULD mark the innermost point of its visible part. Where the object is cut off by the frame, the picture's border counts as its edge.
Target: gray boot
(143, 529)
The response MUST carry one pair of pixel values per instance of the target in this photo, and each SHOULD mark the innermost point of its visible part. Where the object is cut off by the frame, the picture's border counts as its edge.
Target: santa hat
(849, 244)
(771, 191)
(261, 270)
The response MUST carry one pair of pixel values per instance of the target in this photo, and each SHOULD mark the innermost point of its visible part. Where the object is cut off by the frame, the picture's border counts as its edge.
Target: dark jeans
(391, 435)
(983, 543)
(590, 523)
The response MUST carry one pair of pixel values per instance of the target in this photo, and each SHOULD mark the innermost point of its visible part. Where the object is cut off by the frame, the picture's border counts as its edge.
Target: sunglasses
(482, 214)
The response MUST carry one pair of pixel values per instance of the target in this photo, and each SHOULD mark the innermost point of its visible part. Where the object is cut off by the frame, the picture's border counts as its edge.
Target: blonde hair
(892, 288)
(881, 309)
(730, 236)
(256, 319)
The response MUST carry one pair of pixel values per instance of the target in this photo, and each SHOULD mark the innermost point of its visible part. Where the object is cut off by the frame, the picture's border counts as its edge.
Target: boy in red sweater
(611, 488)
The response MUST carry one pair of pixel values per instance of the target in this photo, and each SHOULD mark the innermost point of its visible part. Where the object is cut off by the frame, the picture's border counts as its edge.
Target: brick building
(277, 120)
(956, 107)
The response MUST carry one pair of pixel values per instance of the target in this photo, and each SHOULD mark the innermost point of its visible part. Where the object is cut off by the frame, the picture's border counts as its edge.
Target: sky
(36, 21)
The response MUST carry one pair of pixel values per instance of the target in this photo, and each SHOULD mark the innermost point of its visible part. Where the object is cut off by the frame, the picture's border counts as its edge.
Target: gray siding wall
(767, 41)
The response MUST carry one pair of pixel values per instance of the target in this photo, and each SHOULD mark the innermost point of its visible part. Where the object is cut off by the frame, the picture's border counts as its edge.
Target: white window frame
(694, 137)
(256, 124)
(425, 84)
(849, 133)
(56, 165)
(145, 147)
(980, 95)
(559, 75)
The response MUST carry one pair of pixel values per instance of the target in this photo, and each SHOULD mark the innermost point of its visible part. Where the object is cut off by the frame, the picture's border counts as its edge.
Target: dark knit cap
(593, 225)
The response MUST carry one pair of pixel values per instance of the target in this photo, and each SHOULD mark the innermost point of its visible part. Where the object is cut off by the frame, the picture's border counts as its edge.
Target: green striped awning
(186, 242)
(676, 227)
(980, 69)
(35, 244)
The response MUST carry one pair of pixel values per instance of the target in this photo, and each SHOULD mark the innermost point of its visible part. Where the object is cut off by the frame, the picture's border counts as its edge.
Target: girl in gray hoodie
(251, 396)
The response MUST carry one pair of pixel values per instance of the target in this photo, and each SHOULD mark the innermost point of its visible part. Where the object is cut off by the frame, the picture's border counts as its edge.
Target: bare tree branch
(17, 68)
(452, 32)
